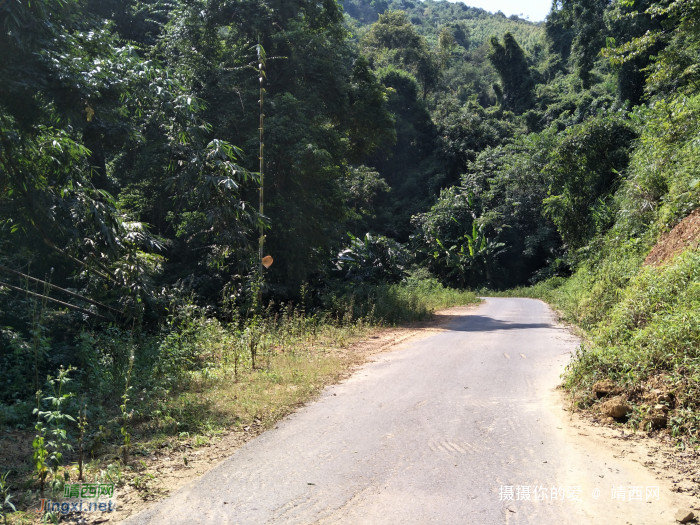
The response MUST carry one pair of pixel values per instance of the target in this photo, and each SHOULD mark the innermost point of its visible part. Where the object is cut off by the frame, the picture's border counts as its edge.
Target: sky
(535, 9)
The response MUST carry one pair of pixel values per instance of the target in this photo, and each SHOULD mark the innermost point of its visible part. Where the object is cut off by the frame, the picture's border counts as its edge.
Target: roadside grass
(413, 300)
(542, 290)
(641, 327)
(204, 377)
(650, 339)
(290, 367)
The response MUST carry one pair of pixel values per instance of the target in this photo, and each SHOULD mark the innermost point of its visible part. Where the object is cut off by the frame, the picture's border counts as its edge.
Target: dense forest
(406, 144)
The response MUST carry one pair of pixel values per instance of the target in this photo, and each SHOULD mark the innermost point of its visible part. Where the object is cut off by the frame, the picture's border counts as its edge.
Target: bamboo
(261, 72)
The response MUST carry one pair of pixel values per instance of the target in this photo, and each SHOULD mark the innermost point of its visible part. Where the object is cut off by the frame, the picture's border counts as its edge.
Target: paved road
(429, 433)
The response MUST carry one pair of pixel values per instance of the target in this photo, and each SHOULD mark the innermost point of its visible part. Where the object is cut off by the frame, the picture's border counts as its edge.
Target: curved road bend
(432, 432)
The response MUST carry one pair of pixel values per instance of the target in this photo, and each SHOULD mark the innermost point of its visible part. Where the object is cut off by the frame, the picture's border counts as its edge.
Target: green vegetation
(414, 150)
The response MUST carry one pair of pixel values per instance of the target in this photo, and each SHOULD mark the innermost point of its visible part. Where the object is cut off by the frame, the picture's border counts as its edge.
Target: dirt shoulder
(678, 471)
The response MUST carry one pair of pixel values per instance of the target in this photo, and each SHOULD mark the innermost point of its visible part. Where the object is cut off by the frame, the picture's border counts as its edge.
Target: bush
(415, 299)
(374, 259)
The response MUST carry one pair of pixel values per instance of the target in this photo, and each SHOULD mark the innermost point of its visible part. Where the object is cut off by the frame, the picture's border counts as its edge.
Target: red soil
(686, 235)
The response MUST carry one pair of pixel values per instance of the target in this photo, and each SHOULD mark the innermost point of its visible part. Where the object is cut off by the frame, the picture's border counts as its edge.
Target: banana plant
(373, 259)
(475, 254)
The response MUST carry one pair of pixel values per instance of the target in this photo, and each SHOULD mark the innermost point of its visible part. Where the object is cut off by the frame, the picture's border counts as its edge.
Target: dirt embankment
(686, 235)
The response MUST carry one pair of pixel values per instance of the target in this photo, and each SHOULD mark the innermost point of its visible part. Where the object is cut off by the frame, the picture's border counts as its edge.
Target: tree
(583, 170)
(64, 66)
(663, 41)
(325, 111)
(410, 163)
(379, 6)
(585, 18)
(393, 40)
(370, 125)
(446, 45)
(87, 122)
(559, 39)
(374, 258)
(516, 80)
(460, 250)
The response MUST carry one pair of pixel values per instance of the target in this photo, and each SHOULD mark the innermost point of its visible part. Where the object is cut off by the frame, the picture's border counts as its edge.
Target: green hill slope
(429, 16)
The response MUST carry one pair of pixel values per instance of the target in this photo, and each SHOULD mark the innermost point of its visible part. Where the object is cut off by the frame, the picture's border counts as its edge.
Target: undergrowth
(649, 337)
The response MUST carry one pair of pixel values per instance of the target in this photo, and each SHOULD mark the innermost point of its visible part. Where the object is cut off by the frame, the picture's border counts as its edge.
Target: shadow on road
(482, 323)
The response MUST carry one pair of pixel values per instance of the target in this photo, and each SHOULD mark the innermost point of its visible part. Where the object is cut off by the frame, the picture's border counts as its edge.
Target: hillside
(474, 26)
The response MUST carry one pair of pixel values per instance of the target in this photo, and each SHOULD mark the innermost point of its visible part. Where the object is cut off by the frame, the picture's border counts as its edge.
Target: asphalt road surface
(448, 429)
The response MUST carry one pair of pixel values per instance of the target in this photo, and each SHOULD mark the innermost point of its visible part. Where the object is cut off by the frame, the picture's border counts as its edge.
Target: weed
(82, 428)
(39, 456)
(142, 482)
(125, 415)
(200, 441)
(52, 438)
(5, 497)
(113, 473)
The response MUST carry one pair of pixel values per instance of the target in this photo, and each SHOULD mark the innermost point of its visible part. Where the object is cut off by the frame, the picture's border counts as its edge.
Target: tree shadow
(482, 323)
